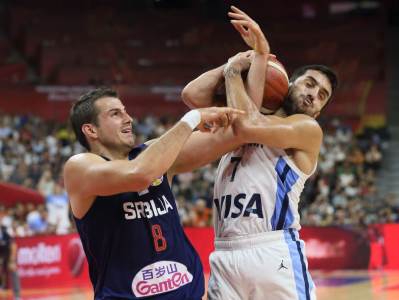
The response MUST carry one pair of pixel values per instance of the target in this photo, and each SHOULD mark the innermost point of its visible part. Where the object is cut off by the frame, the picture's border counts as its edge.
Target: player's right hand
(214, 118)
(241, 61)
(249, 31)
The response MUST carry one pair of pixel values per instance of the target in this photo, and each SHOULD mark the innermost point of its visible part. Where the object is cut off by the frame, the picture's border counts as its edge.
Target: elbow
(188, 96)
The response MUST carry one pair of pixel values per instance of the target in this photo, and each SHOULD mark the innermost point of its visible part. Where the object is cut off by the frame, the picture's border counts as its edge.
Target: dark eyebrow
(314, 81)
(114, 109)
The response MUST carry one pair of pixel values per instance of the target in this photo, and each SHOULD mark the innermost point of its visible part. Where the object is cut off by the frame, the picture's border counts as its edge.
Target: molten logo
(41, 253)
(160, 277)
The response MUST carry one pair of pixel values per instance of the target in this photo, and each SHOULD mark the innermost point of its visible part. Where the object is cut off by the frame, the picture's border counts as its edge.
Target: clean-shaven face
(114, 128)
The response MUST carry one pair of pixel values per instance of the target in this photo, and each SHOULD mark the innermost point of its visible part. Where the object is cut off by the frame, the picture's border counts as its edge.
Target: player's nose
(127, 118)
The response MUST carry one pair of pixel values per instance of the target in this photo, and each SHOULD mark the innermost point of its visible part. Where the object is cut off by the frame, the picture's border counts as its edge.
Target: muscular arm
(87, 175)
(255, 83)
(202, 149)
(201, 91)
(236, 94)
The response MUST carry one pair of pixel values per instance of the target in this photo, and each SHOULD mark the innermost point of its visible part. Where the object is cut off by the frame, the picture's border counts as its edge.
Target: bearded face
(308, 94)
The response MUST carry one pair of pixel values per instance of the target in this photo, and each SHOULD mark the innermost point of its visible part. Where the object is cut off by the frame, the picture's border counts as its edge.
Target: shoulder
(83, 158)
(306, 123)
(301, 124)
(307, 132)
(80, 161)
(303, 118)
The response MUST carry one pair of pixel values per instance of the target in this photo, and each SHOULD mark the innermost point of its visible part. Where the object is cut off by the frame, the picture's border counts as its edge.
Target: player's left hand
(249, 30)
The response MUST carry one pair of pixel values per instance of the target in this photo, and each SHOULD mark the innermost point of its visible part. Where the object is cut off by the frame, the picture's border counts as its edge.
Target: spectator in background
(201, 214)
(58, 210)
(20, 174)
(37, 219)
(373, 158)
(46, 183)
(8, 260)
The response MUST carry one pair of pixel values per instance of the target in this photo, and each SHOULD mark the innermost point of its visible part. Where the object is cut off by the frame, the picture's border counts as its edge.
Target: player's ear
(89, 130)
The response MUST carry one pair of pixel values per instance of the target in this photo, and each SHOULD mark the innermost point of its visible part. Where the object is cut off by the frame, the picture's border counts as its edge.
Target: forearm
(161, 154)
(294, 132)
(201, 91)
(203, 148)
(236, 94)
(256, 78)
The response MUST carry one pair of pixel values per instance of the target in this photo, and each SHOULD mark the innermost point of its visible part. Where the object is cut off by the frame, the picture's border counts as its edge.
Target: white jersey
(257, 190)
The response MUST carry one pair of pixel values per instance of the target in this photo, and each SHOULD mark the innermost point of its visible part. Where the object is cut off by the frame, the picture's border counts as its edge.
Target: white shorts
(267, 266)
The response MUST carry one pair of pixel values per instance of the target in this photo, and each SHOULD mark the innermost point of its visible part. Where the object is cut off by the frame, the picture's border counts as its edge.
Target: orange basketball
(276, 85)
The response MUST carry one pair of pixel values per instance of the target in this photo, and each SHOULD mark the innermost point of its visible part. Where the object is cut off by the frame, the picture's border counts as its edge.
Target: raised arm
(202, 91)
(202, 149)
(256, 40)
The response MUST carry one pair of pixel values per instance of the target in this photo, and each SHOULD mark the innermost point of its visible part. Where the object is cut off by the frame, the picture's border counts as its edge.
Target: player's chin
(309, 113)
(129, 141)
(303, 109)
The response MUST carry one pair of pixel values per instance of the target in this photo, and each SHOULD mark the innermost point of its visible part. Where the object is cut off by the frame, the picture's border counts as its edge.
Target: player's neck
(112, 154)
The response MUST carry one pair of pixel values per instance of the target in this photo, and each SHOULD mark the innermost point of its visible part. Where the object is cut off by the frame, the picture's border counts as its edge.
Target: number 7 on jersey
(236, 161)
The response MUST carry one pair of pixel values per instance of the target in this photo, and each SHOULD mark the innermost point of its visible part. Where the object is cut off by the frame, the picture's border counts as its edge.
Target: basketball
(276, 85)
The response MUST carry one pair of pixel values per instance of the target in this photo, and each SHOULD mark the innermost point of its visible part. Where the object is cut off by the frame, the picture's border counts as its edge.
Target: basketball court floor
(334, 285)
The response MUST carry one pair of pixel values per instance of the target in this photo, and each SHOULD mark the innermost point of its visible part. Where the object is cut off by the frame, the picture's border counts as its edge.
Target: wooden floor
(344, 285)
(336, 285)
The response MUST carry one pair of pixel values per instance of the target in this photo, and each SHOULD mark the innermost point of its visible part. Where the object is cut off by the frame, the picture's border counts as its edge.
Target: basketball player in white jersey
(258, 253)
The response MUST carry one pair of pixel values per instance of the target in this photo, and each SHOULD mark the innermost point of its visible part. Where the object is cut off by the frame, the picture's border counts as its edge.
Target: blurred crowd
(343, 191)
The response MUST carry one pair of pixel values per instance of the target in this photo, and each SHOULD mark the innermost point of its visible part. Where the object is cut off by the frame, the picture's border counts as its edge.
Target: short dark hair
(329, 73)
(83, 111)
